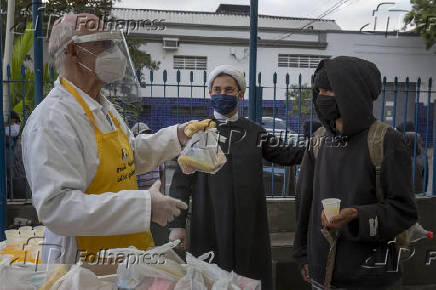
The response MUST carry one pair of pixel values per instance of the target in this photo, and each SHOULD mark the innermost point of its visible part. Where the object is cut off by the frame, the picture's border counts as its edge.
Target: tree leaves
(423, 15)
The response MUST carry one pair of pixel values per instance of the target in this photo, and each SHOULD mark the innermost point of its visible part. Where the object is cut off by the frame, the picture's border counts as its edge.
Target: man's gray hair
(62, 33)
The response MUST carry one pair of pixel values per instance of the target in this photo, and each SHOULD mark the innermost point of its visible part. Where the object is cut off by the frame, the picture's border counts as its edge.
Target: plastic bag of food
(144, 276)
(21, 275)
(218, 279)
(211, 272)
(157, 268)
(203, 153)
(162, 258)
(246, 283)
(81, 278)
(193, 280)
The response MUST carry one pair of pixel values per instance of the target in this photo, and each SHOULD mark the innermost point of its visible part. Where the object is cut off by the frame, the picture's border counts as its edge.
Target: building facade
(195, 42)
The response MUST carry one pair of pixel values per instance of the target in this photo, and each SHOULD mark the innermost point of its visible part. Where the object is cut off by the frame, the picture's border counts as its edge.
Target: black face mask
(327, 107)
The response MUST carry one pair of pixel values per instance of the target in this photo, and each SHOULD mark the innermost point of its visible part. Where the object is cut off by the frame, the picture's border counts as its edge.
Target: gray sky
(350, 16)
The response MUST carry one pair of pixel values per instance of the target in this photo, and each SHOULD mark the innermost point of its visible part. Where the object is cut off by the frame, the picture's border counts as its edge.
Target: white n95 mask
(110, 65)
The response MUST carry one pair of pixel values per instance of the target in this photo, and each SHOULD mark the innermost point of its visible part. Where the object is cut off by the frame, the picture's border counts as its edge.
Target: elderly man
(80, 157)
(229, 214)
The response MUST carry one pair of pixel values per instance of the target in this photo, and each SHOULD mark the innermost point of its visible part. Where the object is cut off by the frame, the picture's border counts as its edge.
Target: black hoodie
(344, 170)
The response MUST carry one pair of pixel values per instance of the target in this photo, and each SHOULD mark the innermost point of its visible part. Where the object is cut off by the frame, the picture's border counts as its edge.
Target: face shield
(114, 67)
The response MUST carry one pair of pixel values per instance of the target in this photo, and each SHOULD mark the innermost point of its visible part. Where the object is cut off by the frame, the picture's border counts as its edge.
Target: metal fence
(286, 101)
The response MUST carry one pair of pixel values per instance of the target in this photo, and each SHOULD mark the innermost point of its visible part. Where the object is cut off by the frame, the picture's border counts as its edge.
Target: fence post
(394, 119)
(178, 94)
(259, 100)
(191, 80)
(418, 90)
(9, 184)
(38, 66)
(427, 134)
(382, 117)
(206, 113)
(23, 91)
(253, 59)
(406, 102)
(3, 207)
(139, 101)
(300, 96)
(433, 190)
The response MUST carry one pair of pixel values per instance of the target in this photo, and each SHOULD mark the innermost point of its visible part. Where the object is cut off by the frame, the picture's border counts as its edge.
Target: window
(170, 43)
(190, 62)
(300, 60)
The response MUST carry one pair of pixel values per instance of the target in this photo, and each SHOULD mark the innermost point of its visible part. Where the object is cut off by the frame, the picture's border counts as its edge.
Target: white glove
(179, 234)
(164, 208)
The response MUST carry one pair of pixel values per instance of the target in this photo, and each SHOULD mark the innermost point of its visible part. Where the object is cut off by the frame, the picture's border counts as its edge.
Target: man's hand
(304, 271)
(179, 234)
(164, 208)
(345, 216)
(186, 130)
(195, 126)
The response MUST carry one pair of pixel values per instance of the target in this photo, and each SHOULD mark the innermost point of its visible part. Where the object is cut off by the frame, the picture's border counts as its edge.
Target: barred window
(300, 60)
(190, 62)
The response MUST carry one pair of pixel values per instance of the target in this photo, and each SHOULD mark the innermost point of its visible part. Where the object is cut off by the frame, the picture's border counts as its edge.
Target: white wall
(403, 56)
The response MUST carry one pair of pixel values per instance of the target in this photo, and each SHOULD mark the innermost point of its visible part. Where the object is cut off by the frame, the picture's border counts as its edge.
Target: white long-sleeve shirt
(60, 157)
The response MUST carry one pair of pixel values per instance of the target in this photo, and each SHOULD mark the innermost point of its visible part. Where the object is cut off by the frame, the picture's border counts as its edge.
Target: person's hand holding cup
(333, 217)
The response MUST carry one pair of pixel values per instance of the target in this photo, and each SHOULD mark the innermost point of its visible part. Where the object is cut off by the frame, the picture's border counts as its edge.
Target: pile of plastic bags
(167, 272)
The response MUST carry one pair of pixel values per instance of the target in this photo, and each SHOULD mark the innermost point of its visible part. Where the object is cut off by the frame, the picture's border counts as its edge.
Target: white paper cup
(12, 236)
(39, 231)
(331, 207)
(26, 231)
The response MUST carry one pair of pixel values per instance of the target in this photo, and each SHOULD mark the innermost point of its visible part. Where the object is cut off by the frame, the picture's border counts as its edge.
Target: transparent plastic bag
(203, 153)
(193, 280)
(81, 278)
(216, 278)
(161, 272)
(21, 276)
(143, 276)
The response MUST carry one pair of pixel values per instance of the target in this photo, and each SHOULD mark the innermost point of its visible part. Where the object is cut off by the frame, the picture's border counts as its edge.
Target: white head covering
(140, 128)
(230, 70)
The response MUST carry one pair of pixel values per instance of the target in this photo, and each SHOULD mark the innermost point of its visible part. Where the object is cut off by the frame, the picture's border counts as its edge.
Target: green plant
(21, 59)
(423, 16)
(293, 99)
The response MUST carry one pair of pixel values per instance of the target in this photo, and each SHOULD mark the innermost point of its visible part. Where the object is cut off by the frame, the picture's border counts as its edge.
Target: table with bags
(159, 268)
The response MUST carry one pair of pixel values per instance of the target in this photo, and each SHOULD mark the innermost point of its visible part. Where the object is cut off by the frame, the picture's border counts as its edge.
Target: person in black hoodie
(344, 89)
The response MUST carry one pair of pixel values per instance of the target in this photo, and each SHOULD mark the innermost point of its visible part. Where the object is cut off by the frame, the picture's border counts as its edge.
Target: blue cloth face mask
(224, 104)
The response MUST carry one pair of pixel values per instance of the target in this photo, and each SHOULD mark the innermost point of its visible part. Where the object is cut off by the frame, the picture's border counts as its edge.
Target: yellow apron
(116, 172)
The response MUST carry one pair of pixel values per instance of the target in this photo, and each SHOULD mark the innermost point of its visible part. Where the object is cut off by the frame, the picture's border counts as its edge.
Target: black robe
(344, 170)
(229, 213)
